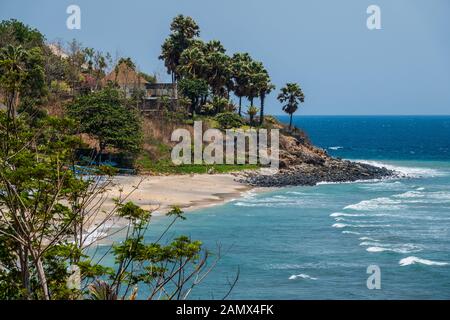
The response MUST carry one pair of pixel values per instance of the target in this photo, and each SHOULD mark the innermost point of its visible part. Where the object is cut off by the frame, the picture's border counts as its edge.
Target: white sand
(189, 192)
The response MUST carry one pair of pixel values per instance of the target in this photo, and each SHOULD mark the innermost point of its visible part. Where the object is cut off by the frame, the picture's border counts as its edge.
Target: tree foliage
(105, 116)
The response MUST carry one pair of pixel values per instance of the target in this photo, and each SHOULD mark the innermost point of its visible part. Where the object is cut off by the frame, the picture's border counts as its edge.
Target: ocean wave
(350, 232)
(383, 186)
(435, 197)
(376, 204)
(270, 204)
(367, 239)
(285, 266)
(340, 225)
(341, 214)
(336, 148)
(403, 248)
(411, 172)
(413, 260)
(301, 276)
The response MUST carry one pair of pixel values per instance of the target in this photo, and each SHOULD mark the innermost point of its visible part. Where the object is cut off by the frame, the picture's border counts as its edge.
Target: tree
(257, 76)
(15, 33)
(292, 95)
(240, 64)
(194, 89)
(76, 60)
(46, 214)
(12, 67)
(265, 87)
(183, 31)
(217, 68)
(104, 115)
(21, 73)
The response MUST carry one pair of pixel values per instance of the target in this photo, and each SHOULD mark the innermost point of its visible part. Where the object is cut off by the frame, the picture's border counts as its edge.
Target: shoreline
(160, 193)
(189, 192)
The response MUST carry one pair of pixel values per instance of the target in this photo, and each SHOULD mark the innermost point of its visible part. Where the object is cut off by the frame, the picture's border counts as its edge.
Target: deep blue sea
(317, 242)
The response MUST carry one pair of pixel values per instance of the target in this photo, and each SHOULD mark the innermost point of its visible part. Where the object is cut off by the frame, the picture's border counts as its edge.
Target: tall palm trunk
(240, 105)
(261, 111)
(290, 122)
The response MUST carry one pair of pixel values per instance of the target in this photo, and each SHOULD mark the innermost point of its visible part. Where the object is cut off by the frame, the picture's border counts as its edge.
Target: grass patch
(147, 165)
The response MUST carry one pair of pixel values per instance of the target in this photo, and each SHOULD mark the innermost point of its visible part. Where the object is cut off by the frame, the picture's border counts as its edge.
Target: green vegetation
(229, 120)
(207, 75)
(47, 210)
(166, 166)
(105, 116)
(59, 100)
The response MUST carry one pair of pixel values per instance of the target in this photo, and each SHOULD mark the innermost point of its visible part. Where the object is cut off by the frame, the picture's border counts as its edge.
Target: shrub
(228, 120)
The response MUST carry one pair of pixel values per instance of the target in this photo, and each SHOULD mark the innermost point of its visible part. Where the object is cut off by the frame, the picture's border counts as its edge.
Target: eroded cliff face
(301, 163)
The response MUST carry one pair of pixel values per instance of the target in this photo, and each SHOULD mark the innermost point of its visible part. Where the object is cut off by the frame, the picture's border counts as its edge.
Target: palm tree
(252, 112)
(218, 72)
(265, 88)
(255, 76)
(240, 64)
(292, 95)
(184, 31)
(192, 62)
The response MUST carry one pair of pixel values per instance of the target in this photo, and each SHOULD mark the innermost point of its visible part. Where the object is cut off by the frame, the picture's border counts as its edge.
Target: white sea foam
(383, 185)
(341, 214)
(350, 232)
(412, 172)
(301, 276)
(339, 225)
(411, 197)
(336, 148)
(413, 260)
(403, 248)
(367, 239)
(376, 204)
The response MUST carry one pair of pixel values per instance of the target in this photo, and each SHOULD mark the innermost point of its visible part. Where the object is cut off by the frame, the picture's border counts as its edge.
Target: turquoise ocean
(317, 242)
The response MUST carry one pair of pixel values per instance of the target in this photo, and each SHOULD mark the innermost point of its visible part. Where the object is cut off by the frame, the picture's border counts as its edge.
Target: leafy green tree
(291, 96)
(16, 33)
(104, 115)
(45, 212)
(21, 73)
(194, 89)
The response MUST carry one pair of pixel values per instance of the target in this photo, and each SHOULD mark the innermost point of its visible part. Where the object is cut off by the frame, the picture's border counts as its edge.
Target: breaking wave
(414, 260)
(301, 276)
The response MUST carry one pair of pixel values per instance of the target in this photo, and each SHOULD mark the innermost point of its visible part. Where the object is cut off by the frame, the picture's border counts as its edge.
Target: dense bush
(228, 120)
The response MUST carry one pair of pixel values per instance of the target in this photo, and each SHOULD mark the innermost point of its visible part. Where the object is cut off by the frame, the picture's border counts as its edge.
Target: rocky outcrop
(301, 163)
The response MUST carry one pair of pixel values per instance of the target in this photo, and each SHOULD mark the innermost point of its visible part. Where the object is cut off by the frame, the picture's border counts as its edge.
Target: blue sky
(324, 45)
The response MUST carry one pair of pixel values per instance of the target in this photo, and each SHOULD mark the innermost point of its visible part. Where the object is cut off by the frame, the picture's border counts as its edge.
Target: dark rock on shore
(303, 164)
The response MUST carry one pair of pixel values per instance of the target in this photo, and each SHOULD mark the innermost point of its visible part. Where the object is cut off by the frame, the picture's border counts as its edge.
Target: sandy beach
(189, 192)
